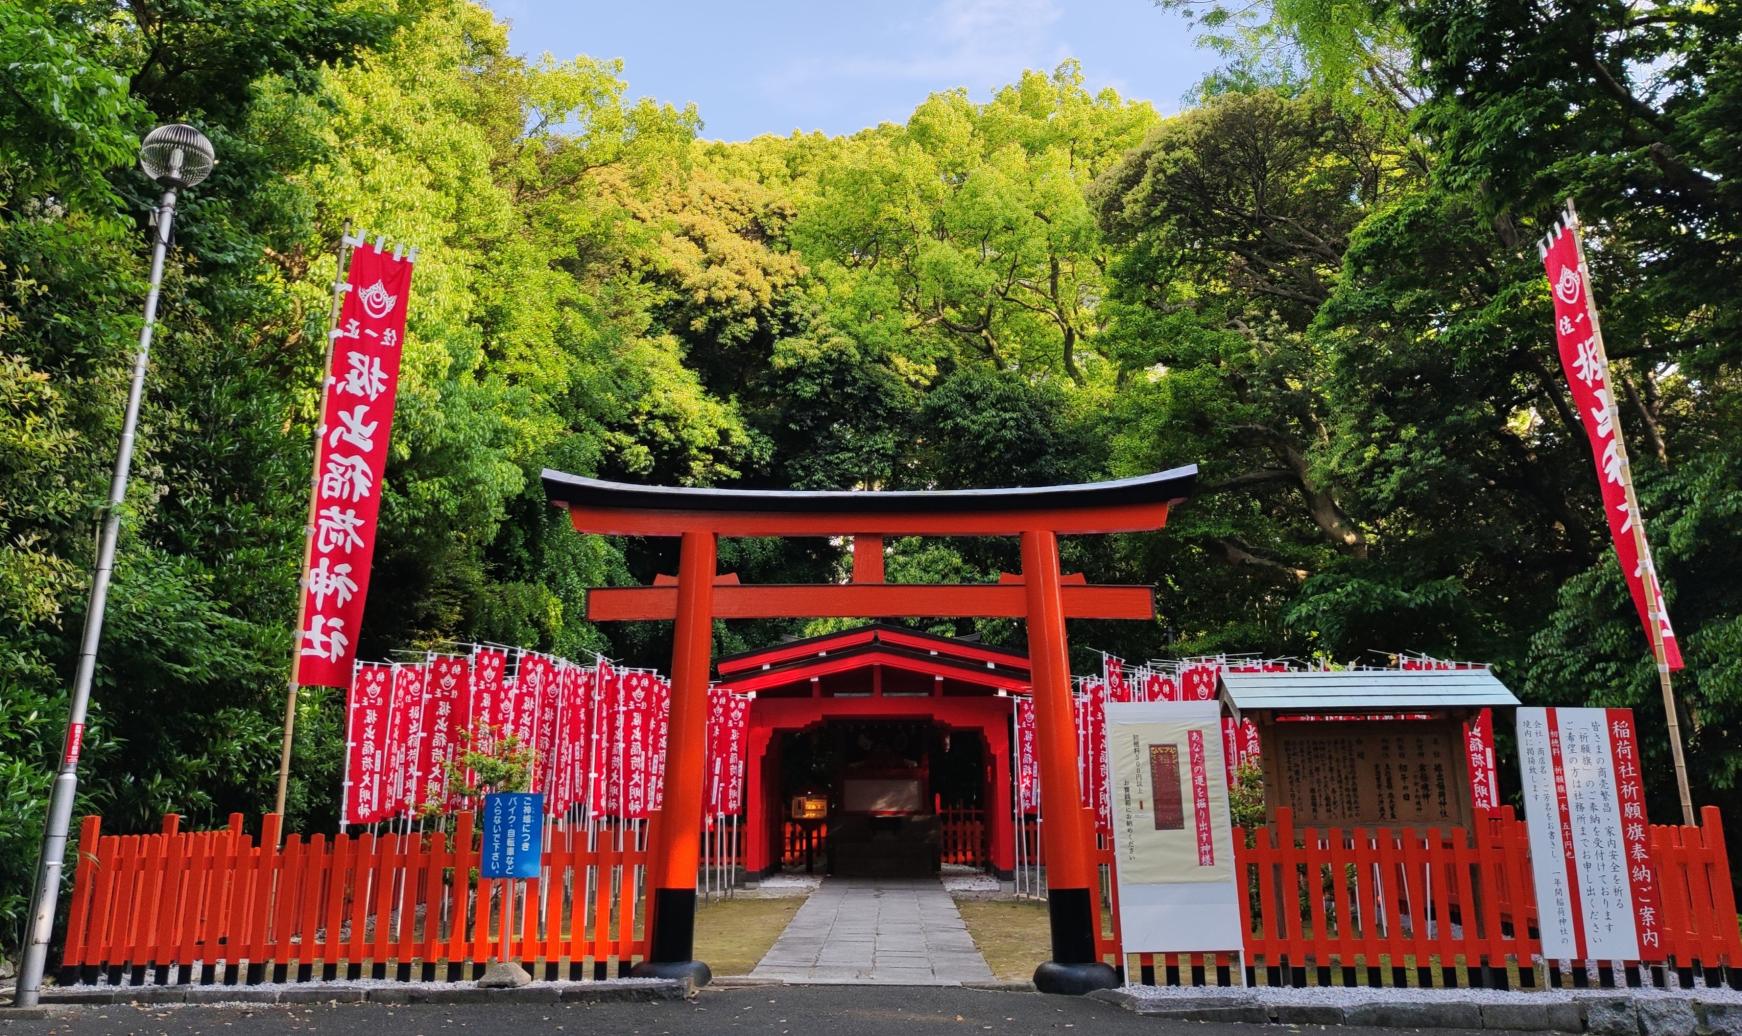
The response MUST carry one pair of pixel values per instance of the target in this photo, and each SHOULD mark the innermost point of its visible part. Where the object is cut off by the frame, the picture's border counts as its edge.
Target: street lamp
(176, 157)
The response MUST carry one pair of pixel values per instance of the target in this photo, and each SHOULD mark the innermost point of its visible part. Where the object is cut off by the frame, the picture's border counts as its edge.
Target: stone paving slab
(890, 931)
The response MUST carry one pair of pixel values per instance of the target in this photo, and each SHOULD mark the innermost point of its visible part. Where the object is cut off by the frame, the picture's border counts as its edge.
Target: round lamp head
(176, 156)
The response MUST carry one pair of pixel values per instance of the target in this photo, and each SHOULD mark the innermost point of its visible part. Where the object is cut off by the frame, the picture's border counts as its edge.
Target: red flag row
(595, 735)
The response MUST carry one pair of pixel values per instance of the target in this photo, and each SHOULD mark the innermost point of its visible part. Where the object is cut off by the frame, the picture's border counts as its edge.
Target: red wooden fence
(964, 836)
(1440, 907)
(1322, 905)
(962, 831)
(220, 906)
(793, 840)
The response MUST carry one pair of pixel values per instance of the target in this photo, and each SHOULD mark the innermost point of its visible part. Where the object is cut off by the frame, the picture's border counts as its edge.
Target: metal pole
(66, 782)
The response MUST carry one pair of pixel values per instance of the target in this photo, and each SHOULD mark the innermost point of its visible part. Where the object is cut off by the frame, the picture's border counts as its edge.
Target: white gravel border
(1352, 996)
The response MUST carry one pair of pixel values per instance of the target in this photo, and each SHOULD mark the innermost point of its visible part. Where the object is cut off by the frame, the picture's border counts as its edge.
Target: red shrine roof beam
(616, 508)
(803, 649)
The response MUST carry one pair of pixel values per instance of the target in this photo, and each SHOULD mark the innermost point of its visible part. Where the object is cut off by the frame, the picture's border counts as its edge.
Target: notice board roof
(1364, 690)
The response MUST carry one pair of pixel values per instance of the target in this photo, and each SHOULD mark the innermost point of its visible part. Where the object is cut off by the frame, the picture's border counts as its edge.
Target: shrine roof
(1161, 487)
(877, 645)
(1370, 690)
(885, 633)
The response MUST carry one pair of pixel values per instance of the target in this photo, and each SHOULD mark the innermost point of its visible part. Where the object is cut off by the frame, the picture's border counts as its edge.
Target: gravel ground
(972, 882)
(1348, 996)
(779, 886)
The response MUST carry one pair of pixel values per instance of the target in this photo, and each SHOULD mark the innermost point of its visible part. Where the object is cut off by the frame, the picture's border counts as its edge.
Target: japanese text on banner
(350, 460)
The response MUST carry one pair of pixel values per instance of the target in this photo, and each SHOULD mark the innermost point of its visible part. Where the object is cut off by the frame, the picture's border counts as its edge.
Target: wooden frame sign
(1357, 771)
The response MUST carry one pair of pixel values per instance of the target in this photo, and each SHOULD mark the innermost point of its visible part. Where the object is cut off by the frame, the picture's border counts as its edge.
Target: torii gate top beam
(620, 509)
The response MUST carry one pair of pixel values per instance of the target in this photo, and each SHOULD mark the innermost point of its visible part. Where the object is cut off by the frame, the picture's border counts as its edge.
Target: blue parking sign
(513, 835)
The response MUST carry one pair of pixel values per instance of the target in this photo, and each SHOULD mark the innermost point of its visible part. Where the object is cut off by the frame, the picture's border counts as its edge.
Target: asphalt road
(776, 1010)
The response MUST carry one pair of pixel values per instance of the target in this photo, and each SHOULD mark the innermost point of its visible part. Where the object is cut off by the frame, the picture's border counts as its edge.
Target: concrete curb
(1599, 1016)
(342, 993)
(1014, 986)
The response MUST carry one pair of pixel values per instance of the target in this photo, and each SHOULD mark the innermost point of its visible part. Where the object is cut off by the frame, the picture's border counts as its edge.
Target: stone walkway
(893, 931)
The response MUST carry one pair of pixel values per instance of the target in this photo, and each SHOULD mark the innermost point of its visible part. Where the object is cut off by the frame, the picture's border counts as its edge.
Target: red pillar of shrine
(1072, 882)
(760, 809)
(674, 840)
(999, 824)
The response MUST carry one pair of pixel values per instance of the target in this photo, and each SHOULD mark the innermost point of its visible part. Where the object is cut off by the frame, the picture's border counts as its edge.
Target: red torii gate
(1040, 594)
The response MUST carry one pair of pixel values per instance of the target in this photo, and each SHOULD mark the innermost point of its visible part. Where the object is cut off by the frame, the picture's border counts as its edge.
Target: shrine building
(878, 751)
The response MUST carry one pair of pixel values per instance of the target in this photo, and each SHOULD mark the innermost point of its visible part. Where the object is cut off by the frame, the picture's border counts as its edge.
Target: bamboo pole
(346, 243)
(1654, 608)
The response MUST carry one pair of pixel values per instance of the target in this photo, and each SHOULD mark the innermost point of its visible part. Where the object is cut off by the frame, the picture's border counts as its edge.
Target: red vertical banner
(1160, 687)
(611, 783)
(1479, 748)
(718, 701)
(571, 681)
(600, 739)
(1113, 673)
(1201, 799)
(357, 404)
(1587, 372)
(488, 691)
(532, 672)
(546, 724)
(1027, 778)
(1198, 681)
(1095, 792)
(448, 702)
(368, 715)
(1230, 749)
(661, 740)
(637, 741)
(737, 754)
(1635, 833)
(407, 757)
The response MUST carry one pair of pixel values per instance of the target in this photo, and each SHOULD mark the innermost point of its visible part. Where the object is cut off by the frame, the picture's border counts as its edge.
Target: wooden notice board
(1367, 772)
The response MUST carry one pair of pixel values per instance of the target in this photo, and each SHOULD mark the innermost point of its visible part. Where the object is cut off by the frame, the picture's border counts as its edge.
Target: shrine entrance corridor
(894, 931)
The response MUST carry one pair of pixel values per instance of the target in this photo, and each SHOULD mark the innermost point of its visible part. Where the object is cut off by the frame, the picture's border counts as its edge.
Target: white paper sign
(1596, 890)
(1172, 836)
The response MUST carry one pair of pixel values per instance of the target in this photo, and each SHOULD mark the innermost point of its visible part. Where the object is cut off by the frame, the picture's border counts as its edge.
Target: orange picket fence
(802, 842)
(963, 832)
(1322, 906)
(219, 906)
(1446, 907)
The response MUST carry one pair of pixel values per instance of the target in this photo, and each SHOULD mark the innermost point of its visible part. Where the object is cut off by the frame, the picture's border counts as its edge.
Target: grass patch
(1013, 935)
(733, 934)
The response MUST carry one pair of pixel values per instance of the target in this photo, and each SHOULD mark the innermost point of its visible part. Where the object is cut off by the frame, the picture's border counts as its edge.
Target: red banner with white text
(1587, 372)
(350, 461)
(367, 720)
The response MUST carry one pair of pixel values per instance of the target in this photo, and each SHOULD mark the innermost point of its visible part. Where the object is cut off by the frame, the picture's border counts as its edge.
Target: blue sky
(773, 66)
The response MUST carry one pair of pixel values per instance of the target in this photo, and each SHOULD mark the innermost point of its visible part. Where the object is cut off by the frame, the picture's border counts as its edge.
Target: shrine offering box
(1366, 748)
(810, 807)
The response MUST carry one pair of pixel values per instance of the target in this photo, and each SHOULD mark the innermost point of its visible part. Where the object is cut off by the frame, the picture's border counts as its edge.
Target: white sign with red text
(1584, 799)
(1173, 845)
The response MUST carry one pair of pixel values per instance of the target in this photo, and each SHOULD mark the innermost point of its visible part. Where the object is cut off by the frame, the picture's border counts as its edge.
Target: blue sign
(513, 834)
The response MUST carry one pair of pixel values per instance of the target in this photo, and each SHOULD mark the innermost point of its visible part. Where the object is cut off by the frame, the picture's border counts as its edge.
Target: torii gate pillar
(1038, 516)
(675, 838)
(1068, 834)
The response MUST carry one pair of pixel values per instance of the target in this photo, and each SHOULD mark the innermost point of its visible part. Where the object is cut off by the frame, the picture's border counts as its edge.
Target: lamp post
(176, 157)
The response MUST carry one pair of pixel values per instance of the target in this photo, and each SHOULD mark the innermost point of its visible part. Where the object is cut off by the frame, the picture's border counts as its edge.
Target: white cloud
(974, 43)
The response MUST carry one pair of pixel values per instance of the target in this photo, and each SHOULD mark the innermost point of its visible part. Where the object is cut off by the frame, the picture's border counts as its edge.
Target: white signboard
(1172, 836)
(1584, 801)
